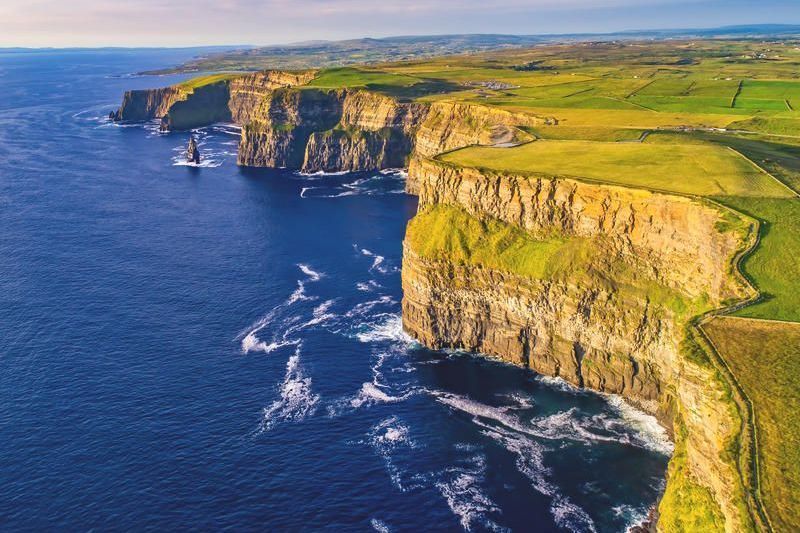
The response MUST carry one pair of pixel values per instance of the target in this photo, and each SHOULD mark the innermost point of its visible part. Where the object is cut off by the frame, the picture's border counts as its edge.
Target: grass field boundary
(636, 90)
(765, 320)
(626, 101)
(580, 179)
(795, 194)
(736, 95)
(750, 428)
(578, 92)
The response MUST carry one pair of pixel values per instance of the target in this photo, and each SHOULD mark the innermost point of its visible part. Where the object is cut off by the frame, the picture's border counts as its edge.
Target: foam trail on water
(249, 338)
(296, 400)
(312, 274)
(320, 315)
(377, 262)
(372, 393)
(368, 286)
(386, 437)
(461, 488)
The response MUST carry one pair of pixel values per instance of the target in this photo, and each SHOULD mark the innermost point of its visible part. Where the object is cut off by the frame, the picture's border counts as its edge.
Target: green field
(200, 81)
(765, 358)
(688, 169)
(774, 265)
(402, 86)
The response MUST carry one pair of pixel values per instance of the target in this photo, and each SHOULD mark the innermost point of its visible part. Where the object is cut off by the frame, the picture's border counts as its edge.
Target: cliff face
(285, 125)
(147, 104)
(675, 237)
(605, 332)
(184, 107)
(205, 105)
(248, 94)
(554, 328)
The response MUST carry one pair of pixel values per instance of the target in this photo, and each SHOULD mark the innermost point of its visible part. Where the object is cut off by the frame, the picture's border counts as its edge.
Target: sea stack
(193, 152)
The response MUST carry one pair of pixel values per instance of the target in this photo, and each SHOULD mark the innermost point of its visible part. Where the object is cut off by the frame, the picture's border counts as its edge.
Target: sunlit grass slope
(687, 169)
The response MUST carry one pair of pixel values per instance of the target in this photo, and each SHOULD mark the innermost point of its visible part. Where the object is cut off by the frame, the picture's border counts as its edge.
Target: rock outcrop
(203, 106)
(193, 152)
(250, 93)
(599, 331)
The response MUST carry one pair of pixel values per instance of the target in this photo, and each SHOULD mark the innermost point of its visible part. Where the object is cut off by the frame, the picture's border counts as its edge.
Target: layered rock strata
(287, 124)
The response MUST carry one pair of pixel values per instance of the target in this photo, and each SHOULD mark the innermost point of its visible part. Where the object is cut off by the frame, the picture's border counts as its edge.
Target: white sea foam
(311, 273)
(296, 400)
(249, 338)
(365, 308)
(377, 262)
(390, 329)
(251, 343)
(320, 315)
(386, 437)
(570, 516)
(180, 161)
(322, 173)
(461, 488)
(529, 457)
(368, 186)
(299, 294)
(379, 526)
(563, 425)
(372, 393)
(368, 286)
(648, 430)
(520, 401)
(560, 384)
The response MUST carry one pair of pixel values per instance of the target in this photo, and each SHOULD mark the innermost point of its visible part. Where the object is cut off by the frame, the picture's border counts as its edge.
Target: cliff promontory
(286, 123)
(597, 285)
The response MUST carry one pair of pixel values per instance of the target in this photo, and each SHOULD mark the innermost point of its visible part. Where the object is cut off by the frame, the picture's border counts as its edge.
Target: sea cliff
(288, 124)
(617, 320)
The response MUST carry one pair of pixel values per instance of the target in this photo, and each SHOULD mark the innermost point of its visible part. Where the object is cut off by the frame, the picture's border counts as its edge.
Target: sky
(60, 23)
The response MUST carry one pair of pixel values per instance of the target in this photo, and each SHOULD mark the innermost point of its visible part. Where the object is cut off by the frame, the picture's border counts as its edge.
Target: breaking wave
(250, 342)
(390, 329)
(384, 182)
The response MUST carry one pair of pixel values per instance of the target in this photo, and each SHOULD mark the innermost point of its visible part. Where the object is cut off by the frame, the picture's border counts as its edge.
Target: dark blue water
(209, 348)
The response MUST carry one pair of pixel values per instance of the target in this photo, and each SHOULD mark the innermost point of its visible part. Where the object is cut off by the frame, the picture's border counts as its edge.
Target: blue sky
(205, 22)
